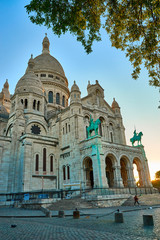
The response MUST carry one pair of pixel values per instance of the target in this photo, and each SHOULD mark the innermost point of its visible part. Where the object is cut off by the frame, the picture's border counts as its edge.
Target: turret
(5, 96)
(115, 107)
(75, 96)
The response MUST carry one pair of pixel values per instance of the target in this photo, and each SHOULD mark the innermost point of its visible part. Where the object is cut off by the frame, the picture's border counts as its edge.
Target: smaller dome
(6, 85)
(75, 87)
(115, 104)
(29, 82)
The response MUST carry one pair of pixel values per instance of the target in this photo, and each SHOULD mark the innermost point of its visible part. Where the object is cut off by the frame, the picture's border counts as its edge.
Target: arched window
(63, 101)
(100, 129)
(86, 132)
(64, 173)
(50, 97)
(51, 163)
(34, 104)
(111, 136)
(69, 129)
(44, 159)
(68, 172)
(37, 163)
(25, 103)
(111, 131)
(57, 98)
(38, 105)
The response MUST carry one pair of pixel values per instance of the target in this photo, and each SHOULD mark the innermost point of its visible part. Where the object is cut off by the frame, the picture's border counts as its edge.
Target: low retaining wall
(108, 200)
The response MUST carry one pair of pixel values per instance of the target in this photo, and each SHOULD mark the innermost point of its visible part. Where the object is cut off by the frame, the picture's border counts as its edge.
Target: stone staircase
(70, 204)
(129, 201)
(144, 200)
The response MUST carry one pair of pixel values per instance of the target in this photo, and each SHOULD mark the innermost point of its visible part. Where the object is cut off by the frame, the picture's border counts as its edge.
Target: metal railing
(68, 194)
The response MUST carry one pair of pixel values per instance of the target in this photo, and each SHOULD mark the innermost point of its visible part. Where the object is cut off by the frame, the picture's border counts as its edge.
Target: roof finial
(45, 44)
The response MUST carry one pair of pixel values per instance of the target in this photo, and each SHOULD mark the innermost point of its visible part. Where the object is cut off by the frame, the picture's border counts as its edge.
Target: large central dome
(47, 63)
(50, 73)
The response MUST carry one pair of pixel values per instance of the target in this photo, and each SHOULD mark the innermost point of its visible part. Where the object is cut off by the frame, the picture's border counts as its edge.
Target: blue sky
(19, 38)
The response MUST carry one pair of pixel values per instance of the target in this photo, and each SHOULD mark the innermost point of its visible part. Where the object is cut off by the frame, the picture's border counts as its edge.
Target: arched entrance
(137, 172)
(110, 170)
(124, 172)
(88, 173)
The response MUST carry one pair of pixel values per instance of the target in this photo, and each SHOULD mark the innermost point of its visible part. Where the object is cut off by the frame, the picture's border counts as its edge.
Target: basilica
(44, 137)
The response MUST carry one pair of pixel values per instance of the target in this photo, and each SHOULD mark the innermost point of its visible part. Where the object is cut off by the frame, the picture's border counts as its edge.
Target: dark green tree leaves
(133, 26)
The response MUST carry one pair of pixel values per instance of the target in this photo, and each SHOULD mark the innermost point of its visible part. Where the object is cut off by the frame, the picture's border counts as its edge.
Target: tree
(133, 27)
(157, 174)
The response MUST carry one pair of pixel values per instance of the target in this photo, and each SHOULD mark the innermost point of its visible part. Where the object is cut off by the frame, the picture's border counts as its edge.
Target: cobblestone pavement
(20, 212)
(87, 227)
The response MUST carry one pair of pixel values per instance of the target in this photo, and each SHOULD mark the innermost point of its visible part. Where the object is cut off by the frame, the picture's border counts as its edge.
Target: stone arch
(139, 166)
(110, 163)
(88, 172)
(125, 167)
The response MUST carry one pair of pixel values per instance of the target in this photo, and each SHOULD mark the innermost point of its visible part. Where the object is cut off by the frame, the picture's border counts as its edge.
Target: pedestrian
(136, 200)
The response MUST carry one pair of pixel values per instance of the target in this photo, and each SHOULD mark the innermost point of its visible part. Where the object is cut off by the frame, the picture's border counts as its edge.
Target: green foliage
(156, 183)
(133, 26)
(157, 174)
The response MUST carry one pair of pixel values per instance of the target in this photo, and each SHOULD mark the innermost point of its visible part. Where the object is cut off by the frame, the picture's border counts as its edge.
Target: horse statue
(93, 126)
(137, 137)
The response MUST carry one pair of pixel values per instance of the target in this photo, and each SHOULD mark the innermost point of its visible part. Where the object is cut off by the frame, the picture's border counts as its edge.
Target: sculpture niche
(136, 137)
(93, 126)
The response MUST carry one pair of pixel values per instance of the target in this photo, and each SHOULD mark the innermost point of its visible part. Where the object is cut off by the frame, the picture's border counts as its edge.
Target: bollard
(148, 220)
(76, 214)
(61, 214)
(49, 214)
(119, 217)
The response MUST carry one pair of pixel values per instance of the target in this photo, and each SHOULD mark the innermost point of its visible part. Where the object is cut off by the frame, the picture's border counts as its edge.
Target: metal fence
(68, 194)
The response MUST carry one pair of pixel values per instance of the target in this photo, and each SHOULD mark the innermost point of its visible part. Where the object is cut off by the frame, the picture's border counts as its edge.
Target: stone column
(98, 161)
(141, 176)
(131, 180)
(118, 182)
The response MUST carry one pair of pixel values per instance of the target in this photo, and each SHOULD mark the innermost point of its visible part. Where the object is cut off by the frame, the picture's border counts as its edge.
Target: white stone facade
(43, 138)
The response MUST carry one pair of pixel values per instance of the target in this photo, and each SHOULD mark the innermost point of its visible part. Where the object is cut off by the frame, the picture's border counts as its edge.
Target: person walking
(136, 200)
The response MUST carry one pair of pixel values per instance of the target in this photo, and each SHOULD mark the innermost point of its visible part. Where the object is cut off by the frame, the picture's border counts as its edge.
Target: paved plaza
(93, 224)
